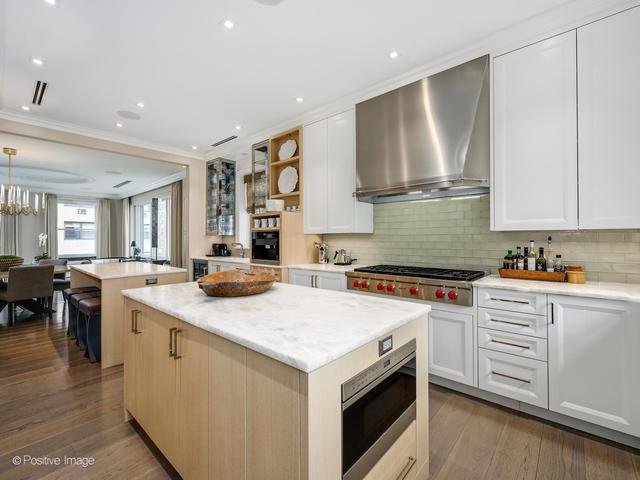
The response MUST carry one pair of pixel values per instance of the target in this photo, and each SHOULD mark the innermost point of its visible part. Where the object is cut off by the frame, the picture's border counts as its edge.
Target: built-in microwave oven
(378, 405)
(265, 248)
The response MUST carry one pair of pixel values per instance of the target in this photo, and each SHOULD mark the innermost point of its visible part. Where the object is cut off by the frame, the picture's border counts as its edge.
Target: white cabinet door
(609, 121)
(301, 277)
(331, 281)
(593, 361)
(451, 346)
(535, 137)
(315, 178)
(223, 267)
(341, 172)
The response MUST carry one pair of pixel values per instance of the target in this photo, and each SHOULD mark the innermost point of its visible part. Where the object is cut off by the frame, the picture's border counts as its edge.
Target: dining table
(58, 269)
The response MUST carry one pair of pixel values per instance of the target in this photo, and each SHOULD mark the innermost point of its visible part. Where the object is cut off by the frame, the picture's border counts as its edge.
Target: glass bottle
(541, 262)
(531, 258)
(519, 259)
(558, 266)
(508, 260)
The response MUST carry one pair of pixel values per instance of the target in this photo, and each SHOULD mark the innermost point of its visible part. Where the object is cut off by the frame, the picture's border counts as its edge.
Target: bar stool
(89, 309)
(72, 317)
(79, 327)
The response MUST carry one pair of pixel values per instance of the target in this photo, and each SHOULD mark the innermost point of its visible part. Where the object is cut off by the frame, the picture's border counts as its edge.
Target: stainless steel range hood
(427, 139)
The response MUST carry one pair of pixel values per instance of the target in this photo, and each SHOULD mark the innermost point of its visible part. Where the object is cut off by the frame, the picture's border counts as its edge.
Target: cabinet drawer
(522, 379)
(513, 301)
(522, 323)
(399, 461)
(521, 345)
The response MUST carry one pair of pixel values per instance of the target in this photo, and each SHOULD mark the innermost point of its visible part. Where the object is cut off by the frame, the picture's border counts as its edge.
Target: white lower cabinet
(513, 376)
(315, 279)
(224, 266)
(593, 361)
(451, 346)
(521, 345)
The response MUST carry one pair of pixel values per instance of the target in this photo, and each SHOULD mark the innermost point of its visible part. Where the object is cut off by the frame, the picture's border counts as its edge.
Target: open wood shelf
(293, 199)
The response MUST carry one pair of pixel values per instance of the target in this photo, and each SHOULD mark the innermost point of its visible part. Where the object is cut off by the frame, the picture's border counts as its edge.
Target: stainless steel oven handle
(361, 393)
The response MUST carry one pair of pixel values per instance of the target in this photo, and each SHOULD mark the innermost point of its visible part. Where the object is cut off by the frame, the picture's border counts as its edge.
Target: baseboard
(542, 413)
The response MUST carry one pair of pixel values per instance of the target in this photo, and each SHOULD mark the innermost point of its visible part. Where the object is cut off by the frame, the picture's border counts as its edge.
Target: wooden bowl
(236, 283)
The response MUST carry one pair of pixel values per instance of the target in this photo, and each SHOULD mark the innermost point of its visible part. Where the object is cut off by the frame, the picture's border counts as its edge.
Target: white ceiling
(198, 80)
(76, 171)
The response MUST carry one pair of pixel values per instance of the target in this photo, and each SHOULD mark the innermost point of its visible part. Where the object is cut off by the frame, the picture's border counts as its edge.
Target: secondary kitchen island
(295, 383)
(111, 279)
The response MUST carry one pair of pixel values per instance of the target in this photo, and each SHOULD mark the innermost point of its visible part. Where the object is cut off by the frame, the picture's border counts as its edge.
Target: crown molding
(94, 133)
(565, 17)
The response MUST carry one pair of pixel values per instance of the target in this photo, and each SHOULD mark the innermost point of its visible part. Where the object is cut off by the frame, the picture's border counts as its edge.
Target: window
(142, 217)
(76, 228)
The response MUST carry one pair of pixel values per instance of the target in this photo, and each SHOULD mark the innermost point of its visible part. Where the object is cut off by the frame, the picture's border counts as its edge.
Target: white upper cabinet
(315, 177)
(535, 163)
(609, 121)
(593, 361)
(329, 178)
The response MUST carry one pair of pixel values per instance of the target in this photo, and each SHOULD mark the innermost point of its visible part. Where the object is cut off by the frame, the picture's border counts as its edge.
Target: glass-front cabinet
(259, 176)
(221, 197)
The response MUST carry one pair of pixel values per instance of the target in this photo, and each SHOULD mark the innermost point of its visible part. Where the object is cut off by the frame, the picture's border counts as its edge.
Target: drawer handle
(172, 351)
(134, 321)
(521, 302)
(510, 344)
(407, 468)
(509, 323)
(176, 355)
(493, 372)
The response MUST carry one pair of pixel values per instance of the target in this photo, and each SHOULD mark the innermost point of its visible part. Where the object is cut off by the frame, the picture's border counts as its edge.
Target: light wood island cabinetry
(219, 410)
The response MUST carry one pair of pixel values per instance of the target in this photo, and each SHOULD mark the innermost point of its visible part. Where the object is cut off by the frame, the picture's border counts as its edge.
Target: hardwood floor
(53, 403)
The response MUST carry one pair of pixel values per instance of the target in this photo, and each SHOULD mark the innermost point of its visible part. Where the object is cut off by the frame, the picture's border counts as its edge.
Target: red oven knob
(356, 283)
(390, 287)
(365, 284)
(453, 295)
(439, 293)
(413, 291)
(380, 286)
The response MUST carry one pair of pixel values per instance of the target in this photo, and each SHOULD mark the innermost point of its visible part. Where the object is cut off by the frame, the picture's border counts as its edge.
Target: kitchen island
(111, 279)
(255, 387)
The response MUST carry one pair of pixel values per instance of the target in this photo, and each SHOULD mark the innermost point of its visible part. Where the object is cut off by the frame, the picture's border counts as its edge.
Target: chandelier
(13, 200)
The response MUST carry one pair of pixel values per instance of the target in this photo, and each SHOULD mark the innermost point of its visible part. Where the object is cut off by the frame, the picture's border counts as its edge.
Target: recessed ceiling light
(194, 147)
(37, 61)
(25, 108)
(393, 54)
(140, 104)
(119, 125)
(51, 2)
(238, 127)
(299, 99)
(228, 24)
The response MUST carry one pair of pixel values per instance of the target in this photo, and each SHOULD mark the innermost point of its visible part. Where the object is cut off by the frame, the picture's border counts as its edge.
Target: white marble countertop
(610, 291)
(107, 271)
(303, 327)
(326, 267)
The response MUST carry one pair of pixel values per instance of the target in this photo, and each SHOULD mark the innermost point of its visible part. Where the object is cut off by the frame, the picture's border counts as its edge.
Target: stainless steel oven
(378, 405)
(265, 248)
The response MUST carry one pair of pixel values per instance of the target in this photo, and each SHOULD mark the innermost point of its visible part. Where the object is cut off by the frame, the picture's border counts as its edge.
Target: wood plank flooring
(53, 403)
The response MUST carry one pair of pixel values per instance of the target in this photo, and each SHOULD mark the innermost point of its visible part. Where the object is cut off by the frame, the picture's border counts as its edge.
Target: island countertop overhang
(299, 326)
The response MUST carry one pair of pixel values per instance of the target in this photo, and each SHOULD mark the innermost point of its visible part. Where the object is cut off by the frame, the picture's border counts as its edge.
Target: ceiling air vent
(38, 92)
(224, 140)
(122, 184)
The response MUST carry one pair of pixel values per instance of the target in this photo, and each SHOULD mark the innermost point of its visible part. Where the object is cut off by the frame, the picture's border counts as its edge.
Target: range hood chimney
(427, 139)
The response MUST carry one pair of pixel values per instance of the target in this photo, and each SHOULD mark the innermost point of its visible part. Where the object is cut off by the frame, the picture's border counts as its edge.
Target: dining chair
(60, 280)
(31, 287)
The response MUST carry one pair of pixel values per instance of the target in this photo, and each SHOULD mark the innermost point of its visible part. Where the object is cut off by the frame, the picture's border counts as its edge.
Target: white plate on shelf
(287, 149)
(288, 180)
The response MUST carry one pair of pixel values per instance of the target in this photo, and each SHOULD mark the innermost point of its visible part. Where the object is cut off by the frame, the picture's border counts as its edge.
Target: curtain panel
(51, 225)
(103, 228)
(176, 224)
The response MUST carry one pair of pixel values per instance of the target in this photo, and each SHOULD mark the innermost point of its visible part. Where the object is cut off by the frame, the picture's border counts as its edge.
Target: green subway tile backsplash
(455, 233)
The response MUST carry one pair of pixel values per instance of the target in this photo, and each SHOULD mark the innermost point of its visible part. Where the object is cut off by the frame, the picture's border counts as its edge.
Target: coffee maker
(219, 250)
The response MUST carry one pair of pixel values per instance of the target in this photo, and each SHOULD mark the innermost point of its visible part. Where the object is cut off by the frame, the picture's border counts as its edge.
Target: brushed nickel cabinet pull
(509, 376)
(511, 344)
(172, 351)
(521, 302)
(509, 323)
(176, 355)
(134, 321)
(407, 468)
